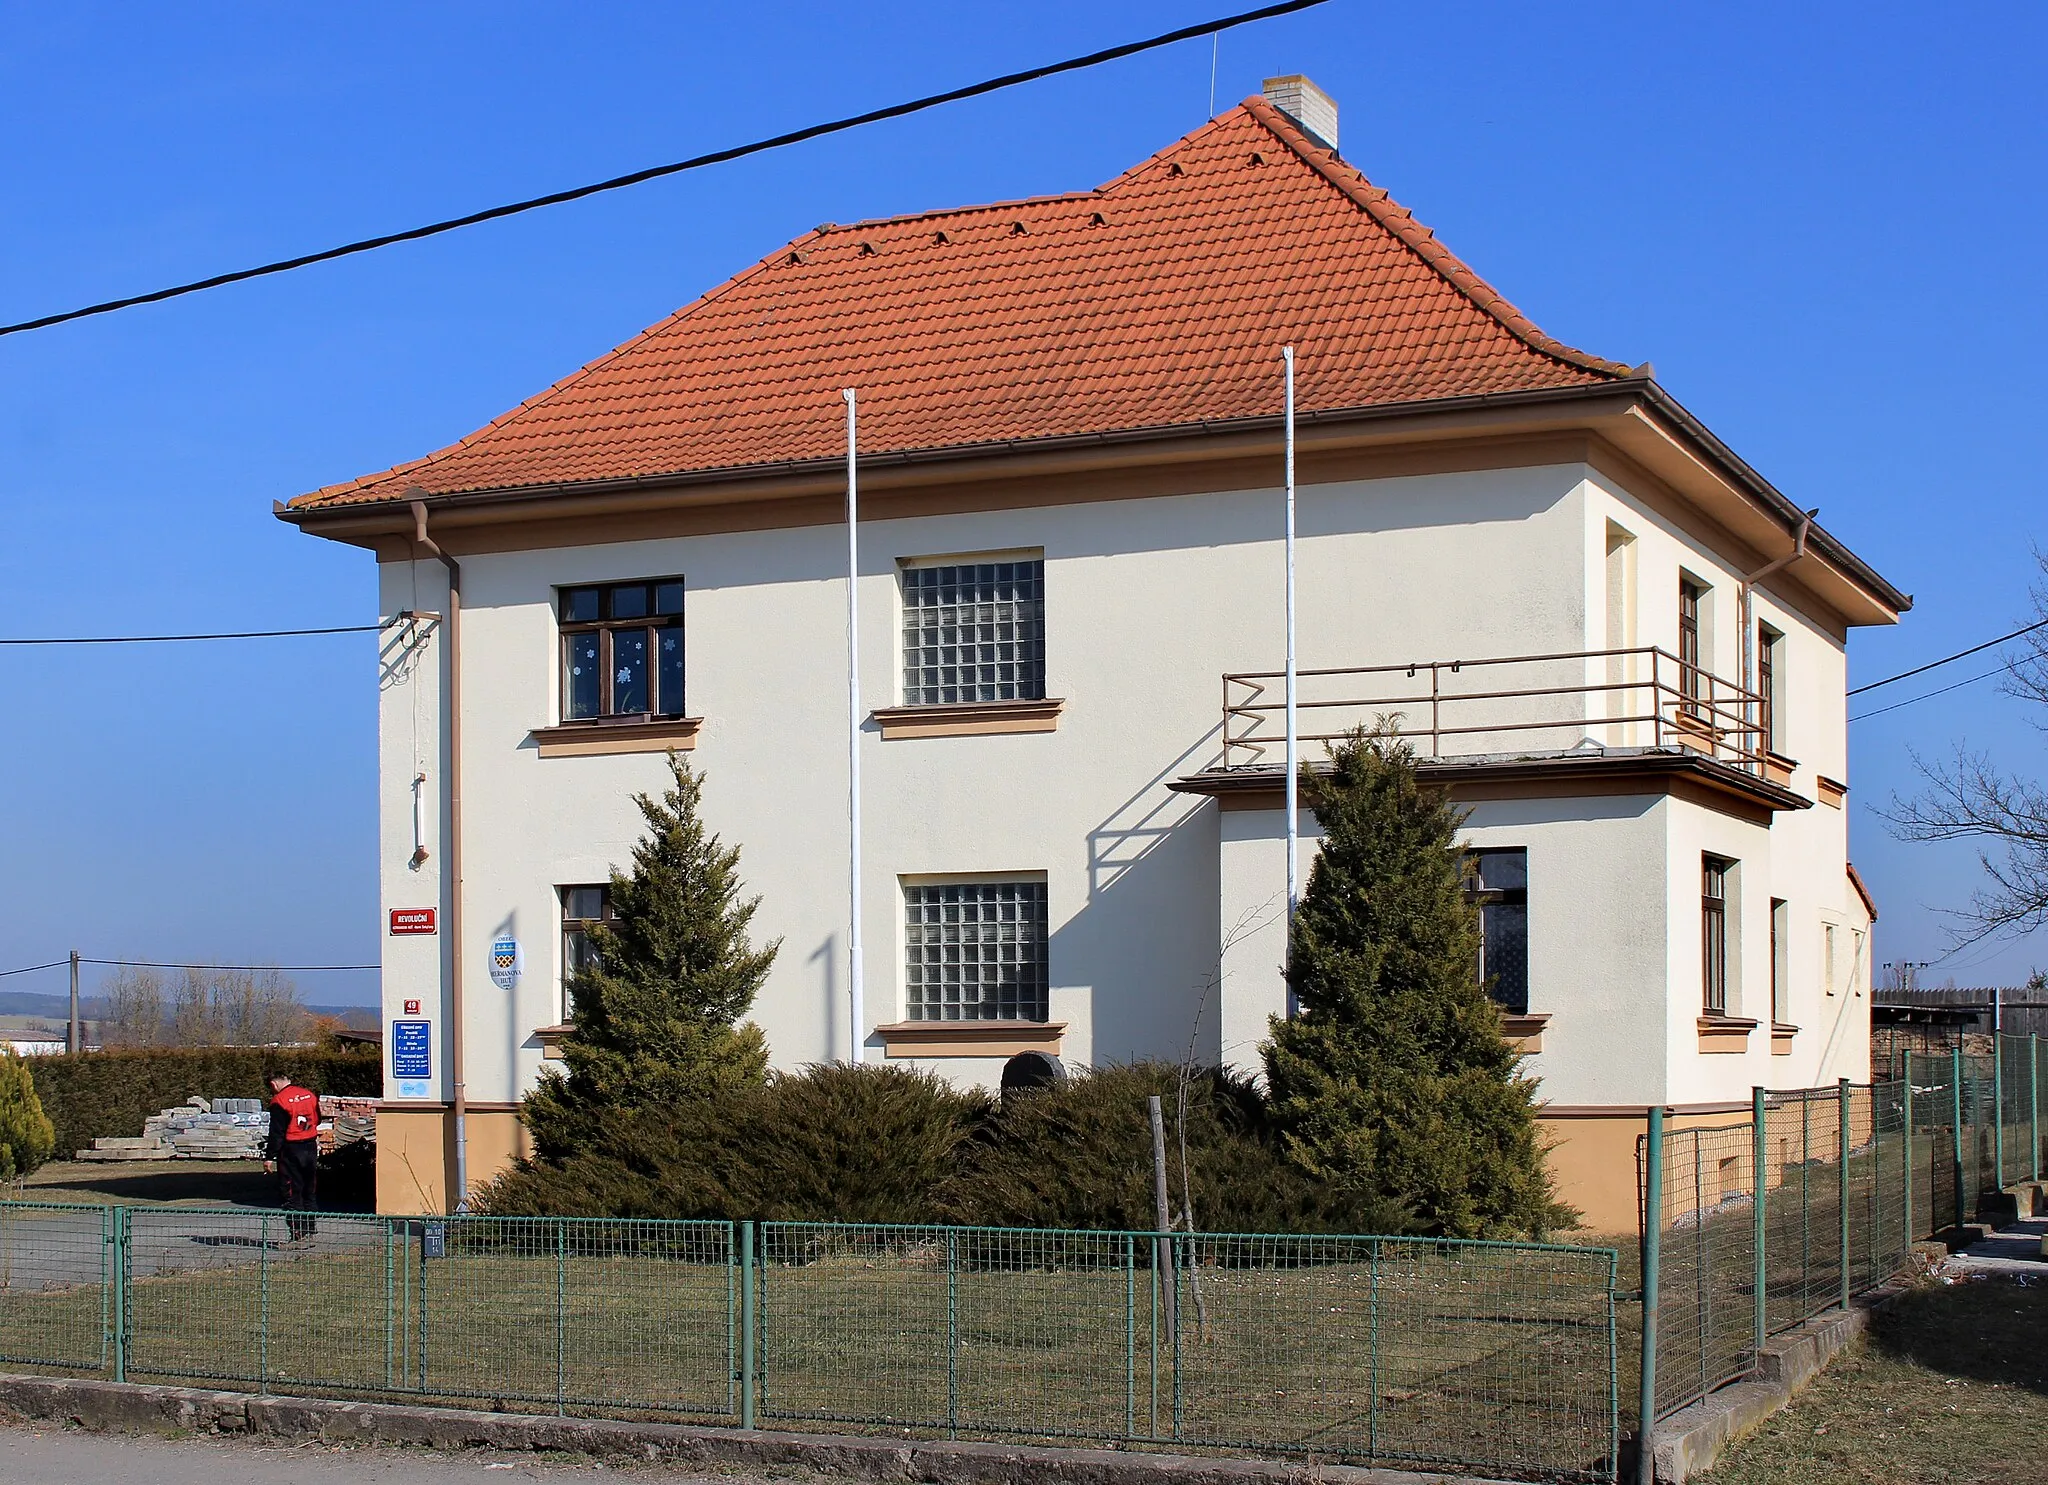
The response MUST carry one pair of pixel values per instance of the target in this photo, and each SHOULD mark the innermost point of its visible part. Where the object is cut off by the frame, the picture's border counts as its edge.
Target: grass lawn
(152, 1182)
(1487, 1357)
(1950, 1386)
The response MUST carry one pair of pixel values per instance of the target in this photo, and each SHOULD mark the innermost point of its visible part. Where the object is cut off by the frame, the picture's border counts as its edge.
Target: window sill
(1781, 1038)
(1524, 1032)
(551, 1038)
(590, 739)
(969, 718)
(1723, 1034)
(971, 1038)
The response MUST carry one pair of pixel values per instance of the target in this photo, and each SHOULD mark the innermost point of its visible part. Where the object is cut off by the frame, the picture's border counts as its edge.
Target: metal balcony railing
(1631, 698)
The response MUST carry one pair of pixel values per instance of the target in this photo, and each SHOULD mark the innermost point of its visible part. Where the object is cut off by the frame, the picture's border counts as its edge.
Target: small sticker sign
(412, 1049)
(412, 920)
(505, 961)
(412, 1008)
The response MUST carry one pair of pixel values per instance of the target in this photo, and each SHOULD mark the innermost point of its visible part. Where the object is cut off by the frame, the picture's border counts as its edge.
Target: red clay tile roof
(1159, 299)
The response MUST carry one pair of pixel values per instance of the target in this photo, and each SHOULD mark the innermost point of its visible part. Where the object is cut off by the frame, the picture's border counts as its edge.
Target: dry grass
(1491, 1359)
(1949, 1388)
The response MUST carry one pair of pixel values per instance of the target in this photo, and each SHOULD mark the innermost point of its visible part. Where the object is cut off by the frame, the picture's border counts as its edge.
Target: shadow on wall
(1146, 941)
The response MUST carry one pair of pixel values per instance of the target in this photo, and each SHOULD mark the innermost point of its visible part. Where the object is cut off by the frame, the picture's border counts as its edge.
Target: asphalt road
(33, 1454)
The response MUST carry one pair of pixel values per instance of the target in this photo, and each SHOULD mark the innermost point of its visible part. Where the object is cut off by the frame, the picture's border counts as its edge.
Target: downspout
(1748, 607)
(454, 853)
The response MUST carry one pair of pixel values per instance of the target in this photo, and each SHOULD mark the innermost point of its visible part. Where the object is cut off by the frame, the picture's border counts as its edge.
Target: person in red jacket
(292, 1152)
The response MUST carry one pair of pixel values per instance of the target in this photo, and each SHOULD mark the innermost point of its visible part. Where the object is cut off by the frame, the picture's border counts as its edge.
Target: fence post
(561, 1317)
(1758, 1155)
(1372, 1417)
(121, 1296)
(1653, 1224)
(2034, 1101)
(747, 1398)
(1842, 1129)
(1998, 1107)
(263, 1305)
(1912, 1223)
(952, 1333)
(1130, 1336)
(388, 1315)
(1955, 1080)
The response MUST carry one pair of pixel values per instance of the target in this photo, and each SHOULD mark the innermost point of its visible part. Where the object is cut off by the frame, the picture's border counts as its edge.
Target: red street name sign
(412, 920)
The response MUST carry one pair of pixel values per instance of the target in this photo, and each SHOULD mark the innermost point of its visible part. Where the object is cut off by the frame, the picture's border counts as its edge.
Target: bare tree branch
(1972, 798)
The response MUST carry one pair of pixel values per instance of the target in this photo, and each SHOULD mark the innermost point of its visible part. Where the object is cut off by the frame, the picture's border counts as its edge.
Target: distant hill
(93, 1007)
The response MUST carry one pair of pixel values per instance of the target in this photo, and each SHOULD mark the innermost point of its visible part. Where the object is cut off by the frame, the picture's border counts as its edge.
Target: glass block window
(974, 632)
(975, 951)
(1500, 885)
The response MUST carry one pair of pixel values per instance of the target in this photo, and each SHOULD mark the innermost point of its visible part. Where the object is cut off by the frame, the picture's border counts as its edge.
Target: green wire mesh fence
(1818, 1196)
(1495, 1357)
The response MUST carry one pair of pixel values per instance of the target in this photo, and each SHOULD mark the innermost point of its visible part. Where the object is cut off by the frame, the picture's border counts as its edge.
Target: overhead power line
(296, 969)
(1928, 695)
(29, 969)
(1948, 659)
(696, 162)
(166, 639)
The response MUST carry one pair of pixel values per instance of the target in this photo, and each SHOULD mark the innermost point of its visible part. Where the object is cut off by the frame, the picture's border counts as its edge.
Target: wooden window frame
(574, 928)
(1781, 920)
(1767, 642)
(1690, 680)
(606, 626)
(1714, 874)
(1485, 897)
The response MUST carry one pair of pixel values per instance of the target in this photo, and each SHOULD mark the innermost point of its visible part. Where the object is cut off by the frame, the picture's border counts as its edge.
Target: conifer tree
(655, 1014)
(27, 1138)
(1394, 1079)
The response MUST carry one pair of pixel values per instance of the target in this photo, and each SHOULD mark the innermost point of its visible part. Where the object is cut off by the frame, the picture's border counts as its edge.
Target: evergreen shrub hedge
(884, 1144)
(93, 1094)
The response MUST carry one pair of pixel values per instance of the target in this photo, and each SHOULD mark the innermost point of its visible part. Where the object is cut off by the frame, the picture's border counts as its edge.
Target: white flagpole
(857, 1033)
(1293, 821)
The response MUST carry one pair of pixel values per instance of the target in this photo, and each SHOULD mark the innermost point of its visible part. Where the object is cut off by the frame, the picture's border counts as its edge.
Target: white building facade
(1072, 840)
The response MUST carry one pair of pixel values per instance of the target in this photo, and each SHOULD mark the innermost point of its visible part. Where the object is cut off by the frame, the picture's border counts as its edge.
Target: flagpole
(856, 992)
(1293, 817)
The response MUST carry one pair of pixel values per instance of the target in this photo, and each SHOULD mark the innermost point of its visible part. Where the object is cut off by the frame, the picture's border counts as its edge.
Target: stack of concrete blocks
(198, 1129)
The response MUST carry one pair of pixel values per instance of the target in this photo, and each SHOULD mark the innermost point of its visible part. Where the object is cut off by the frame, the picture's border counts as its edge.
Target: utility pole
(73, 1041)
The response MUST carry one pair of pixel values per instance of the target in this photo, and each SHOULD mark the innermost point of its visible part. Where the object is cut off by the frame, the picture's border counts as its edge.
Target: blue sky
(1823, 223)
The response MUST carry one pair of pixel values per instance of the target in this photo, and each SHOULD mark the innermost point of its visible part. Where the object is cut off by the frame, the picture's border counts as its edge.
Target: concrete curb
(126, 1407)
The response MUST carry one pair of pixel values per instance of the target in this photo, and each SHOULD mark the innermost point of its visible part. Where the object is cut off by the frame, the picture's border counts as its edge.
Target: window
(1781, 989)
(1767, 642)
(1500, 885)
(1689, 680)
(1827, 956)
(622, 650)
(975, 951)
(1714, 934)
(974, 632)
(582, 908)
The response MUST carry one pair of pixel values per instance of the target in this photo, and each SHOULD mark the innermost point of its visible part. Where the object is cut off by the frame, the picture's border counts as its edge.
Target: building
(1617, 643)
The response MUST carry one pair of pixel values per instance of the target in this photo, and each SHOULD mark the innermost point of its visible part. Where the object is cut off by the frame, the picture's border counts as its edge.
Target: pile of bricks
(229, 1129)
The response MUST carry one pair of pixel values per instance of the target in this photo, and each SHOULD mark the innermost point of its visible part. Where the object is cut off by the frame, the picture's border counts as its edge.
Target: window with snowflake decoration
(622, 650)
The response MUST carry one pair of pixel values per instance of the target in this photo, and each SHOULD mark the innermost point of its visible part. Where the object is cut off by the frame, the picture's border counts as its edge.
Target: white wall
(1148, 602)
(1598, 919)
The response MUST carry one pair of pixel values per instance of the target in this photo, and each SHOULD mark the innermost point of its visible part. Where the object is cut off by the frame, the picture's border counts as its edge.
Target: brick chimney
(1305, 103)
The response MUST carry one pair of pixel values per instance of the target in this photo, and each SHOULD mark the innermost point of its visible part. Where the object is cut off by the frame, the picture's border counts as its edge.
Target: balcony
(1642, 700)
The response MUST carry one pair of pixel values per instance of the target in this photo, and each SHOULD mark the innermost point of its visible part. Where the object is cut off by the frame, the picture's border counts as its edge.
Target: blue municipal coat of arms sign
(505, 965)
